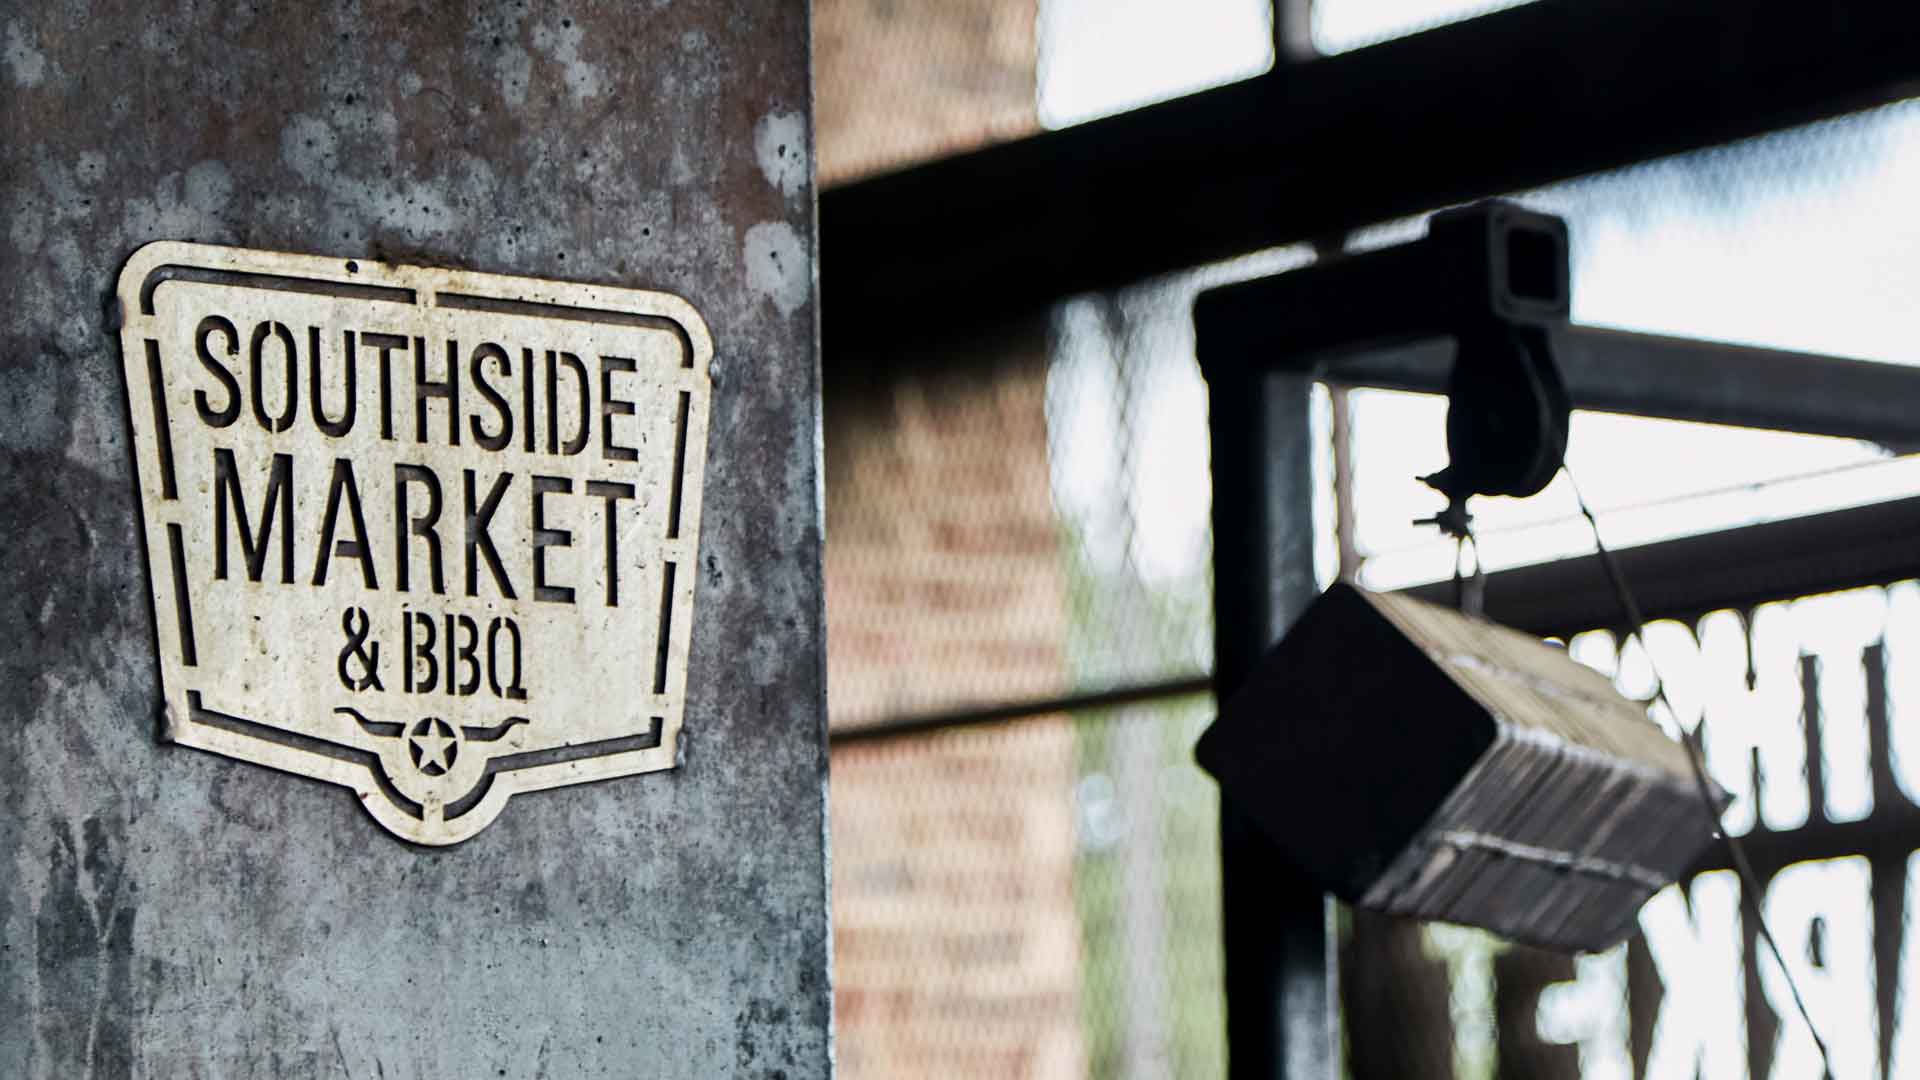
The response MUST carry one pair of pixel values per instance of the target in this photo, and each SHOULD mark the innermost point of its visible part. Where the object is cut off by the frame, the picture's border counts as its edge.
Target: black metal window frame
(1547, 91)
(1388, 318)
(1320, 146)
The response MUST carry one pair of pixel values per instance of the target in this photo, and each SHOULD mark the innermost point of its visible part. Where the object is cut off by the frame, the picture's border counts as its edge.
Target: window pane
(1343, 25)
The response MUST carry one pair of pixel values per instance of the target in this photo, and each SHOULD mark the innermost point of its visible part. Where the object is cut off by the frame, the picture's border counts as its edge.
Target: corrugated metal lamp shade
(1420, 762)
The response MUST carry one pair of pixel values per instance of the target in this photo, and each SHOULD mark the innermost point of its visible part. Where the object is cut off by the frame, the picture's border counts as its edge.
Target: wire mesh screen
(1023, 517)
(901, 81)
(1056, 498)
(1037, 899)
(1017, 519)
(947, 575)
(1127, 412)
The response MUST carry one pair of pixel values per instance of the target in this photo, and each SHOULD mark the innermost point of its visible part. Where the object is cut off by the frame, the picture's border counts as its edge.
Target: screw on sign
(417, 532)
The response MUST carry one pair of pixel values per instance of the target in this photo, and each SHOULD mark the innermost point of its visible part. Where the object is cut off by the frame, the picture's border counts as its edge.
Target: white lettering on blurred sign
(422, 533)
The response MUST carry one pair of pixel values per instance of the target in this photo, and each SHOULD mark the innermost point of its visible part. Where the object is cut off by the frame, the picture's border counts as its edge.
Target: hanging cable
(1469, 590)
(1691, 740)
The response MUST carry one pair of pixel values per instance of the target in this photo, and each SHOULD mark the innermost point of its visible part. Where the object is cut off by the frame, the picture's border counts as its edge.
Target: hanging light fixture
(1422, 762)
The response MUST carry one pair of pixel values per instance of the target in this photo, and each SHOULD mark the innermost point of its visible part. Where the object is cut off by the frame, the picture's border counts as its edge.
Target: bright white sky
(1806, 241)
(1099, 57)
(1339, 25)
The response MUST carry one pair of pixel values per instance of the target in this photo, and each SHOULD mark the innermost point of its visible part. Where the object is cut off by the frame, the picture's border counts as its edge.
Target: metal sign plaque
(426, 534)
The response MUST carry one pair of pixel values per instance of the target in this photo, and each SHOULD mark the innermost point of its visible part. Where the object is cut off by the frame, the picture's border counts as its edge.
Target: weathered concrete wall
(165, 912)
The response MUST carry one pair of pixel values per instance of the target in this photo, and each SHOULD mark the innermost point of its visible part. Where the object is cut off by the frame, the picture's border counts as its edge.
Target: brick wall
(957, 943)
(944, 566)
(901, 81)
(957, 940)
(957, 947)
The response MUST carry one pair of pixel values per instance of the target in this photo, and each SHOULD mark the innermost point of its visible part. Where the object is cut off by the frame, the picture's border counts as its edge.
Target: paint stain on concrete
(308, 146)
(777, 265)
(24, 62)
(562, 43)
(780, 146)
(184, 205)
(515, 71)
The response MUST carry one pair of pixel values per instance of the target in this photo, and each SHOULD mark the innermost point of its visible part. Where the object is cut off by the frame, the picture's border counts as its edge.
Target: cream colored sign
(426, 534)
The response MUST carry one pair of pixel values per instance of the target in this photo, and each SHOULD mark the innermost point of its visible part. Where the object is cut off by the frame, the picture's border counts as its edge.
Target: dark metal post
(1280, 998)
(1253, 342)
(1292, 32)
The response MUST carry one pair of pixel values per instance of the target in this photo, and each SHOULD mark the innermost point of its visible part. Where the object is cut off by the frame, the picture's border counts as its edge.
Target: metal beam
(1672, 579)
(1685, 379)
(1511, 100)
(1689, 577)
(970, 716)
(1280, 977)
(1389, 318)
(1888, 835)
(1292, 32)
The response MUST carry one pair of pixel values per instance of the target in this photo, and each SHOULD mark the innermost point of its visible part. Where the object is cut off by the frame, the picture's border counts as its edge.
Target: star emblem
(433, 746)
